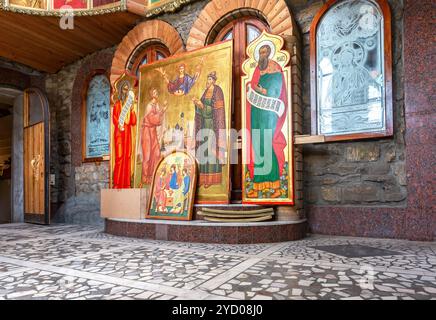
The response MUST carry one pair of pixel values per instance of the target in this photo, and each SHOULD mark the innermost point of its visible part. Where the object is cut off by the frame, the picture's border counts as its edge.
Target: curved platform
(208, 232)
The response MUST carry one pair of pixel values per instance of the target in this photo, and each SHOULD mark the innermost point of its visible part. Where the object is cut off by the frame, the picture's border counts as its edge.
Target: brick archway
(145, 31)
(276, 13)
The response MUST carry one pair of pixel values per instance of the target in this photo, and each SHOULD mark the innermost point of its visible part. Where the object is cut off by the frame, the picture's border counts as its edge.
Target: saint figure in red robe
(124, 119)
(151, 154)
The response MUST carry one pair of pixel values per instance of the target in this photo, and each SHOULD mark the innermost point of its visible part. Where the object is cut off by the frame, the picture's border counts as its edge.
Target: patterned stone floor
(74, 262)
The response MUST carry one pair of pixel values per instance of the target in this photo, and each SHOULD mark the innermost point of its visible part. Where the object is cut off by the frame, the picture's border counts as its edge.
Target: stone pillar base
(287, 214)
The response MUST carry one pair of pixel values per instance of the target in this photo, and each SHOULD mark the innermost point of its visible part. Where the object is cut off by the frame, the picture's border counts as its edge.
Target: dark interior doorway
(11, 155)
(6, 124)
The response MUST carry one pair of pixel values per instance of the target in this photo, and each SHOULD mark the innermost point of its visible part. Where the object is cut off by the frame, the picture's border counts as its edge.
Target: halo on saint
(125, 79)
(262, 44)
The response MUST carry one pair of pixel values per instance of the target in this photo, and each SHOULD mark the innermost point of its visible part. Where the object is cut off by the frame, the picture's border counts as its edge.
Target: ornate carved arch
(276, 13)
(146, 31)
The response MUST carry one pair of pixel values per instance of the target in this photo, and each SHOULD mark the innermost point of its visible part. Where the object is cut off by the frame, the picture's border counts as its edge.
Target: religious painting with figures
(267, 120)
(173, 191)
(185, 104)
(123, 131)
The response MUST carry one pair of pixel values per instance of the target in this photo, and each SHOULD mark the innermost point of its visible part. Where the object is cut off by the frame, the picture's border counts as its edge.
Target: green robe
(264, 155)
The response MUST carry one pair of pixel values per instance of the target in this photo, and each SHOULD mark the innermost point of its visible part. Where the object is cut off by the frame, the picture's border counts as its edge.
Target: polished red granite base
(201, 232)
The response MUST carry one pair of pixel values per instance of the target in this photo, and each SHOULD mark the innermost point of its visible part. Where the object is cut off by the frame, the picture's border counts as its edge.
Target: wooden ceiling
(39, 42)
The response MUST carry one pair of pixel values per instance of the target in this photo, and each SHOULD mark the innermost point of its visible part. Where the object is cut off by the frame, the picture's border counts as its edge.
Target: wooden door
(36, 158)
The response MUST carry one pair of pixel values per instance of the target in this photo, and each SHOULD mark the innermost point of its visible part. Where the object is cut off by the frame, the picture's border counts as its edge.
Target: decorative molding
(121, 6)
(170, 6)
(117, 7)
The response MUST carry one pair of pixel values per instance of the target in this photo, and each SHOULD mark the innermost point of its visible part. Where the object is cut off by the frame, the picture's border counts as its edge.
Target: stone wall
(90, 178)
(183, 20)
(76, 194)
(59, 88)
(84, 206)
(364, 172)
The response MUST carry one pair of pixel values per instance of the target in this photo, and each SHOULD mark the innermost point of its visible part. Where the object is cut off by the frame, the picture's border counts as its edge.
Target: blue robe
(187, 182)
(173, 182)
(184, 84)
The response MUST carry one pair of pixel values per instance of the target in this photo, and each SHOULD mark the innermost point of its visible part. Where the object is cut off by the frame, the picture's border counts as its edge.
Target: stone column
(419, 57)
(17, 161)
(295, 213)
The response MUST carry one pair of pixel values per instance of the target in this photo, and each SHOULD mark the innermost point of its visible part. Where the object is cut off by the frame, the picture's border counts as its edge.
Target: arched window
(145, 54)
(243, 31)
(351, 70)
(96, 118)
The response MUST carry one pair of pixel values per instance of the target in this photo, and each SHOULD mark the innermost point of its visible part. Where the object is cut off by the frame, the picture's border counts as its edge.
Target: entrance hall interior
(6, 106)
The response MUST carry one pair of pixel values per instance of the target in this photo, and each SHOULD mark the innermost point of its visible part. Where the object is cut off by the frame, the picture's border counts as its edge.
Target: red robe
(75, 4)
(123, 148)
(160, 194)
(151, 154)
(279, 139)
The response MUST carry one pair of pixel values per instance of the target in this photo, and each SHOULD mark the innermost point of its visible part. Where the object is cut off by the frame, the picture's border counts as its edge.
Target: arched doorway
(8, 97)
(36, 154)
(24, 156)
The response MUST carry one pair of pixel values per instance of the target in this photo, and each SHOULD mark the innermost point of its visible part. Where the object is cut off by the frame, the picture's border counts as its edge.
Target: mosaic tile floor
(74, 262)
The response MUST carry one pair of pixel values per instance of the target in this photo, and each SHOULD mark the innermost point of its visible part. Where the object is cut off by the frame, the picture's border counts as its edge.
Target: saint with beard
(210, 115)
(267, 157)
(124, 119)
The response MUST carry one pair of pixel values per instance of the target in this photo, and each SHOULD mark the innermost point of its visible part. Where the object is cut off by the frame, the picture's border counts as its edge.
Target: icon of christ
(184, 82)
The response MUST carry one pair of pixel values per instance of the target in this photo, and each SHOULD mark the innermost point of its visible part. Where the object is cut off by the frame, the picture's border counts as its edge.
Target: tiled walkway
(73, 262)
